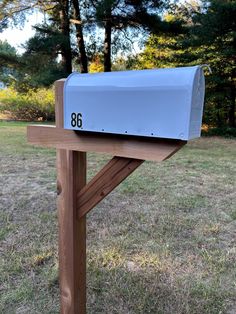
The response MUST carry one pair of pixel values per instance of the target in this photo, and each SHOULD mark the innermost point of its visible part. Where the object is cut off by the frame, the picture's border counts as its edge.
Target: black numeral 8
(73, 119)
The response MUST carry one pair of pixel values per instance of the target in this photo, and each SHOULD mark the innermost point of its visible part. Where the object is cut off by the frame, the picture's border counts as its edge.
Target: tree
(204, 40)
(83, 60)
(40, 66)
(214, 34)
(117, 17)
(9, 61)
(121, 20)
(15, 12)
(62, 11)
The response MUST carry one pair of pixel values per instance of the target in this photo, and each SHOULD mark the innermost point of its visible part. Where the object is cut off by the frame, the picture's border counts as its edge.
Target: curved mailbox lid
(155, 103)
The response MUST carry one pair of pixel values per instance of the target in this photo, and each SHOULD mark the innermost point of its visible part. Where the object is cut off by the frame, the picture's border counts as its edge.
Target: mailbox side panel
(153, 112)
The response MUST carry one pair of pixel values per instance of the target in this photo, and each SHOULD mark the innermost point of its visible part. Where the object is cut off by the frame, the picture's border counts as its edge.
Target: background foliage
(30, 106)
(103, 36)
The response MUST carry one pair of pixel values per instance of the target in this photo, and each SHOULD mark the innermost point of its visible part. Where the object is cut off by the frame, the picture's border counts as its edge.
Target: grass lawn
(162, 242)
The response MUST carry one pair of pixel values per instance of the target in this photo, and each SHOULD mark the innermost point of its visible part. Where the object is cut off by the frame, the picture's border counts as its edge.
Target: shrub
(31, 106)
(223, 131)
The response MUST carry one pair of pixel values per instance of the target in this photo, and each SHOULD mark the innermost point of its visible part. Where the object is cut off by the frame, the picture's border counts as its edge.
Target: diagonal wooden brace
(114, 172)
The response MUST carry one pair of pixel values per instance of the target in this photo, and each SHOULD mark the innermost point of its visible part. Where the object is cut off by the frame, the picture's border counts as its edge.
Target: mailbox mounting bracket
(76, 198)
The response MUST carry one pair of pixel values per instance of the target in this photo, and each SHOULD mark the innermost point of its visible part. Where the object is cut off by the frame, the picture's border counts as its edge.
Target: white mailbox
(165, 103)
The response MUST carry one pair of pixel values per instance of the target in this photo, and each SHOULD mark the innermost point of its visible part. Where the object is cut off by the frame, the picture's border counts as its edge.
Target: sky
(16, 37)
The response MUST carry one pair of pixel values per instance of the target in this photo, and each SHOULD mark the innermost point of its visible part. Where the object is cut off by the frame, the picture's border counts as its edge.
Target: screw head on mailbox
(164, 103)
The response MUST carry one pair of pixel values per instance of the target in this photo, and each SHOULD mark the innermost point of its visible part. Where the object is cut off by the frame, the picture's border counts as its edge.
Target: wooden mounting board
(116, 145)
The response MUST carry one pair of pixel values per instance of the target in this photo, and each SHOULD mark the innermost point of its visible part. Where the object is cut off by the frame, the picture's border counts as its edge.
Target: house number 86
(76, 120)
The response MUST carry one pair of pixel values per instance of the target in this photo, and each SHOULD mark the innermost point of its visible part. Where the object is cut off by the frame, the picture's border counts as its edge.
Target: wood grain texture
(114, 172)
(71, 170)
(116, 145)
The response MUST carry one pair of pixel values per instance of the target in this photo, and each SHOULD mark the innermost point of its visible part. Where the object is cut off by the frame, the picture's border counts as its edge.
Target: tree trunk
(80, 39)
(232, 108)
(107, 42)
(65, 31)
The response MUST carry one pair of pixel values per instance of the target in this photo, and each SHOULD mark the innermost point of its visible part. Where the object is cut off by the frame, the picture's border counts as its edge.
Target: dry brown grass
(163, 242)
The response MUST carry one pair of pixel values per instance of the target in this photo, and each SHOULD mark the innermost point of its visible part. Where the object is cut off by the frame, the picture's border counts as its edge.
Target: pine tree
(208, 38)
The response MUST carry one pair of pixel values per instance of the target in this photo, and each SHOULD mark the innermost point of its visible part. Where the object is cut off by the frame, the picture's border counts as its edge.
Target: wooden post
(71, 171)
